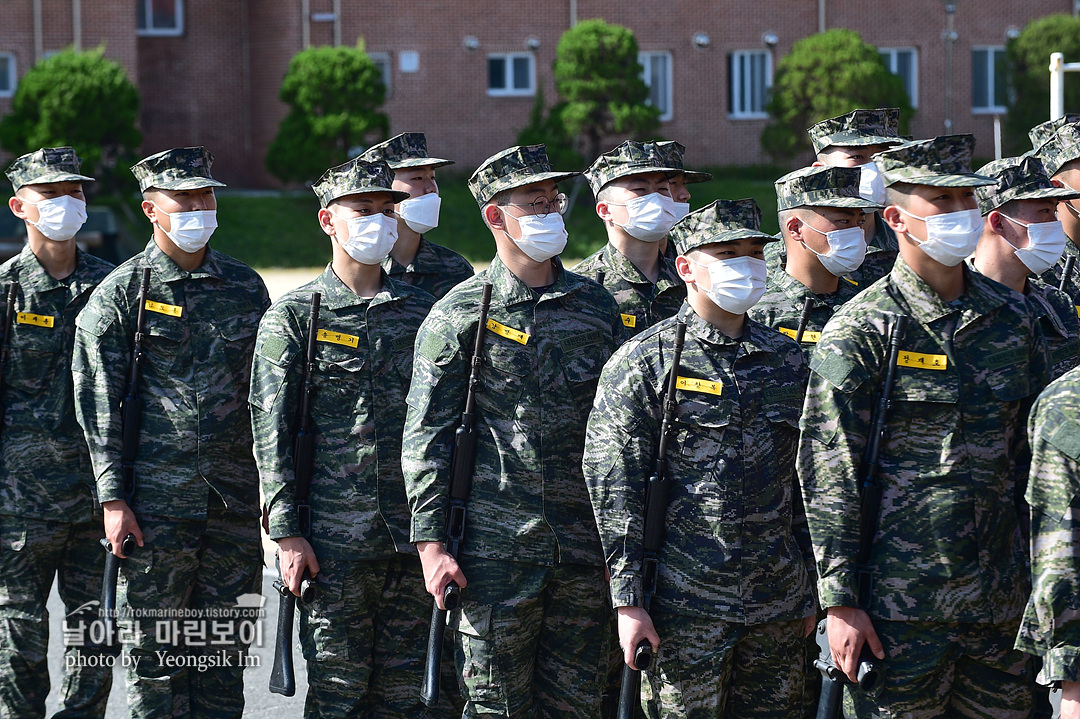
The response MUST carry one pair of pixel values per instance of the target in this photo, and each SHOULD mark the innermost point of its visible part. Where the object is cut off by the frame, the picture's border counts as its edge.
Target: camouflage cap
(1045, 130)
(1060, 148)
(720, 221)
(821, 187)
(857, 128)
(513, 167)
(1018, 178)
(49, 164)
(673, 154)
(356, 177)
(629, 158)
(944, 161)
(182, 168)
(409, 149)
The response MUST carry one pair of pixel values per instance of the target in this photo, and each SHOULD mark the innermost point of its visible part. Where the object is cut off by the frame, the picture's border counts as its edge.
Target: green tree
(79, 99)
(826, 75)
(598, 76)
(334, 95)
(549, 129)
(1029, 79)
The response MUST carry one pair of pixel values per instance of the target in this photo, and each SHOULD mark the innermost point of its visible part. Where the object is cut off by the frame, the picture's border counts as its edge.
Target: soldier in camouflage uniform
(1022, 236)
(532, 625)
(415, 259)
(195, 505)
(948, 570)
(364, 634)
(850, 141)
(49, 521)
(1049, 628)
(734, 597)
(1057, 144)
(677, 183)
(821, 218)
(634, 201)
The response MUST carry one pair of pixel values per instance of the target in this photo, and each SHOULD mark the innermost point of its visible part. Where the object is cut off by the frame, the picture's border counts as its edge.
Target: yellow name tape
(922, 361)
(25, 318)
(508, 332)
(851, 281)
(631, 320)
(691, 384)
(807, 336)
(162, 308)
(337, 338)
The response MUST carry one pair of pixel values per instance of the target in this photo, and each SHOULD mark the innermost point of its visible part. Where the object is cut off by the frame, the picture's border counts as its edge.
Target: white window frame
(383, 62)
(990, 75)
(162, 31)
(666, 109)
(508, 60)
(735, 84)
(891, 53)
(12, 76)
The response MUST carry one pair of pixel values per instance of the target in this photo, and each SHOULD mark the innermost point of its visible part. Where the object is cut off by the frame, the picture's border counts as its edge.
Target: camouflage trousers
(949, 670)
(532, 641)
(31, 553)
(365, 638)
(182, 589)
(709, 668)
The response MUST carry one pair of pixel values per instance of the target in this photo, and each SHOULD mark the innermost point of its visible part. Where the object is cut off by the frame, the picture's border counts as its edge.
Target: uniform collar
(797, 291)
(754, 338)
(337, 296)
(33, 276)
(621, 266)
(981, 294)
(510, 290)
(168, 271)
(424, 261)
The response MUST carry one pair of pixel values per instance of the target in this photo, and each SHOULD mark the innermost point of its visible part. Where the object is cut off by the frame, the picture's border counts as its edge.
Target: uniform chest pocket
(238, 340)
(1011, 383)
(782, 405)
(34, 357)
(163, 343)
(699, 428)
(920, 385)
(502, 377)
(582, 371)
(338, 374)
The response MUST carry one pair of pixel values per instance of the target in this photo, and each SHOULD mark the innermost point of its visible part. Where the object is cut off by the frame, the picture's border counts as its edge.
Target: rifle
(462, 464)
(5, 340)
(870, 670)
(656, 505)
(282, 677)
(804, 318)
(1066, 271)
(600, 275)
(130, 423)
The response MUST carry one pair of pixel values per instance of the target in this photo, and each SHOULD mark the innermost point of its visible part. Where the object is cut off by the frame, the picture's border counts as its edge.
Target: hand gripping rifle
(870, 669)
(282, 677)
(462, 464)
(5, 340)
(130, 423)
(656, 505)
(1066, 272)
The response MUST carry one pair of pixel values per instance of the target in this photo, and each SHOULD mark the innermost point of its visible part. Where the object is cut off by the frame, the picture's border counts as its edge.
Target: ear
(150, 210)
(326, 222)
(1056, 183)
(603, 211)
(493, 216)
(997, 222)
(17, 207)
(895, 219)
(684, 268)
(793, 227)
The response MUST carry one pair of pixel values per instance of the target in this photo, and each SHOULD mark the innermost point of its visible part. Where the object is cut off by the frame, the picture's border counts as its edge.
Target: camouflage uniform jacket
(1051, 627)
(1052, 276)
(641, 303)
(1060, 325)
(44, 465)
(781, 307)
(953, 460)
(737, 546)
(195, 435)
(528, 501)
(435, 269)
(362, 373)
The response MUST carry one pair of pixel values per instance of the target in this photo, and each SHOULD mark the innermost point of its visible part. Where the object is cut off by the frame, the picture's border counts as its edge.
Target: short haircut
(899, 193)
(604, 194)
(502, 197)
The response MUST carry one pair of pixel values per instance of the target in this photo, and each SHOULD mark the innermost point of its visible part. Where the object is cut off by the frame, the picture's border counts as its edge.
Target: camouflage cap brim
(959, 180)
(719, 221)
(618, 174)
(691, 177)
(44, 166)
(834, 201)
(397, 195)
(432, 162)
(515, 181)
(185, 183)
(55, 176)
(357, 177)
(858, 139)
(989, 203)
(701, 239)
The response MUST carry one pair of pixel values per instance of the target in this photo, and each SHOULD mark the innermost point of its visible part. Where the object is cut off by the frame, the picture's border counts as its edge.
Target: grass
(280, 229)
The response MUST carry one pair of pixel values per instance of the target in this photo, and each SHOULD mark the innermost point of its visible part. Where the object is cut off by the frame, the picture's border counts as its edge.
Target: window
(7, 74)
(511, 74)
(903, 61)
(656, 73)
(750, 79)
(382, 61)
(989, 93)
(160, 17)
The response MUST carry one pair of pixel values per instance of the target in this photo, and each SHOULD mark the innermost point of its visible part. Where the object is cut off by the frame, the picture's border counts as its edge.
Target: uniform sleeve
(620, 443)
(435, 403)
(276, 379)
(101, 356)
(834, 425)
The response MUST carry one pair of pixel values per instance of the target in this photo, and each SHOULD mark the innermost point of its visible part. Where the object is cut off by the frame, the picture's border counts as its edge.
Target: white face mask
(950, 237)
(1046, 242)
(871, 184)
(735, 284)
(421, 213)
(847, 248)
(682, 209)
(59, 218)
(370, 238)
(541, 237)
(650, 217)
(190, 231)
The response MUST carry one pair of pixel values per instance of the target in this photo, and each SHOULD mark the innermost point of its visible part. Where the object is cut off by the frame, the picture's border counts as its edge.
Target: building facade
(467, 73)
